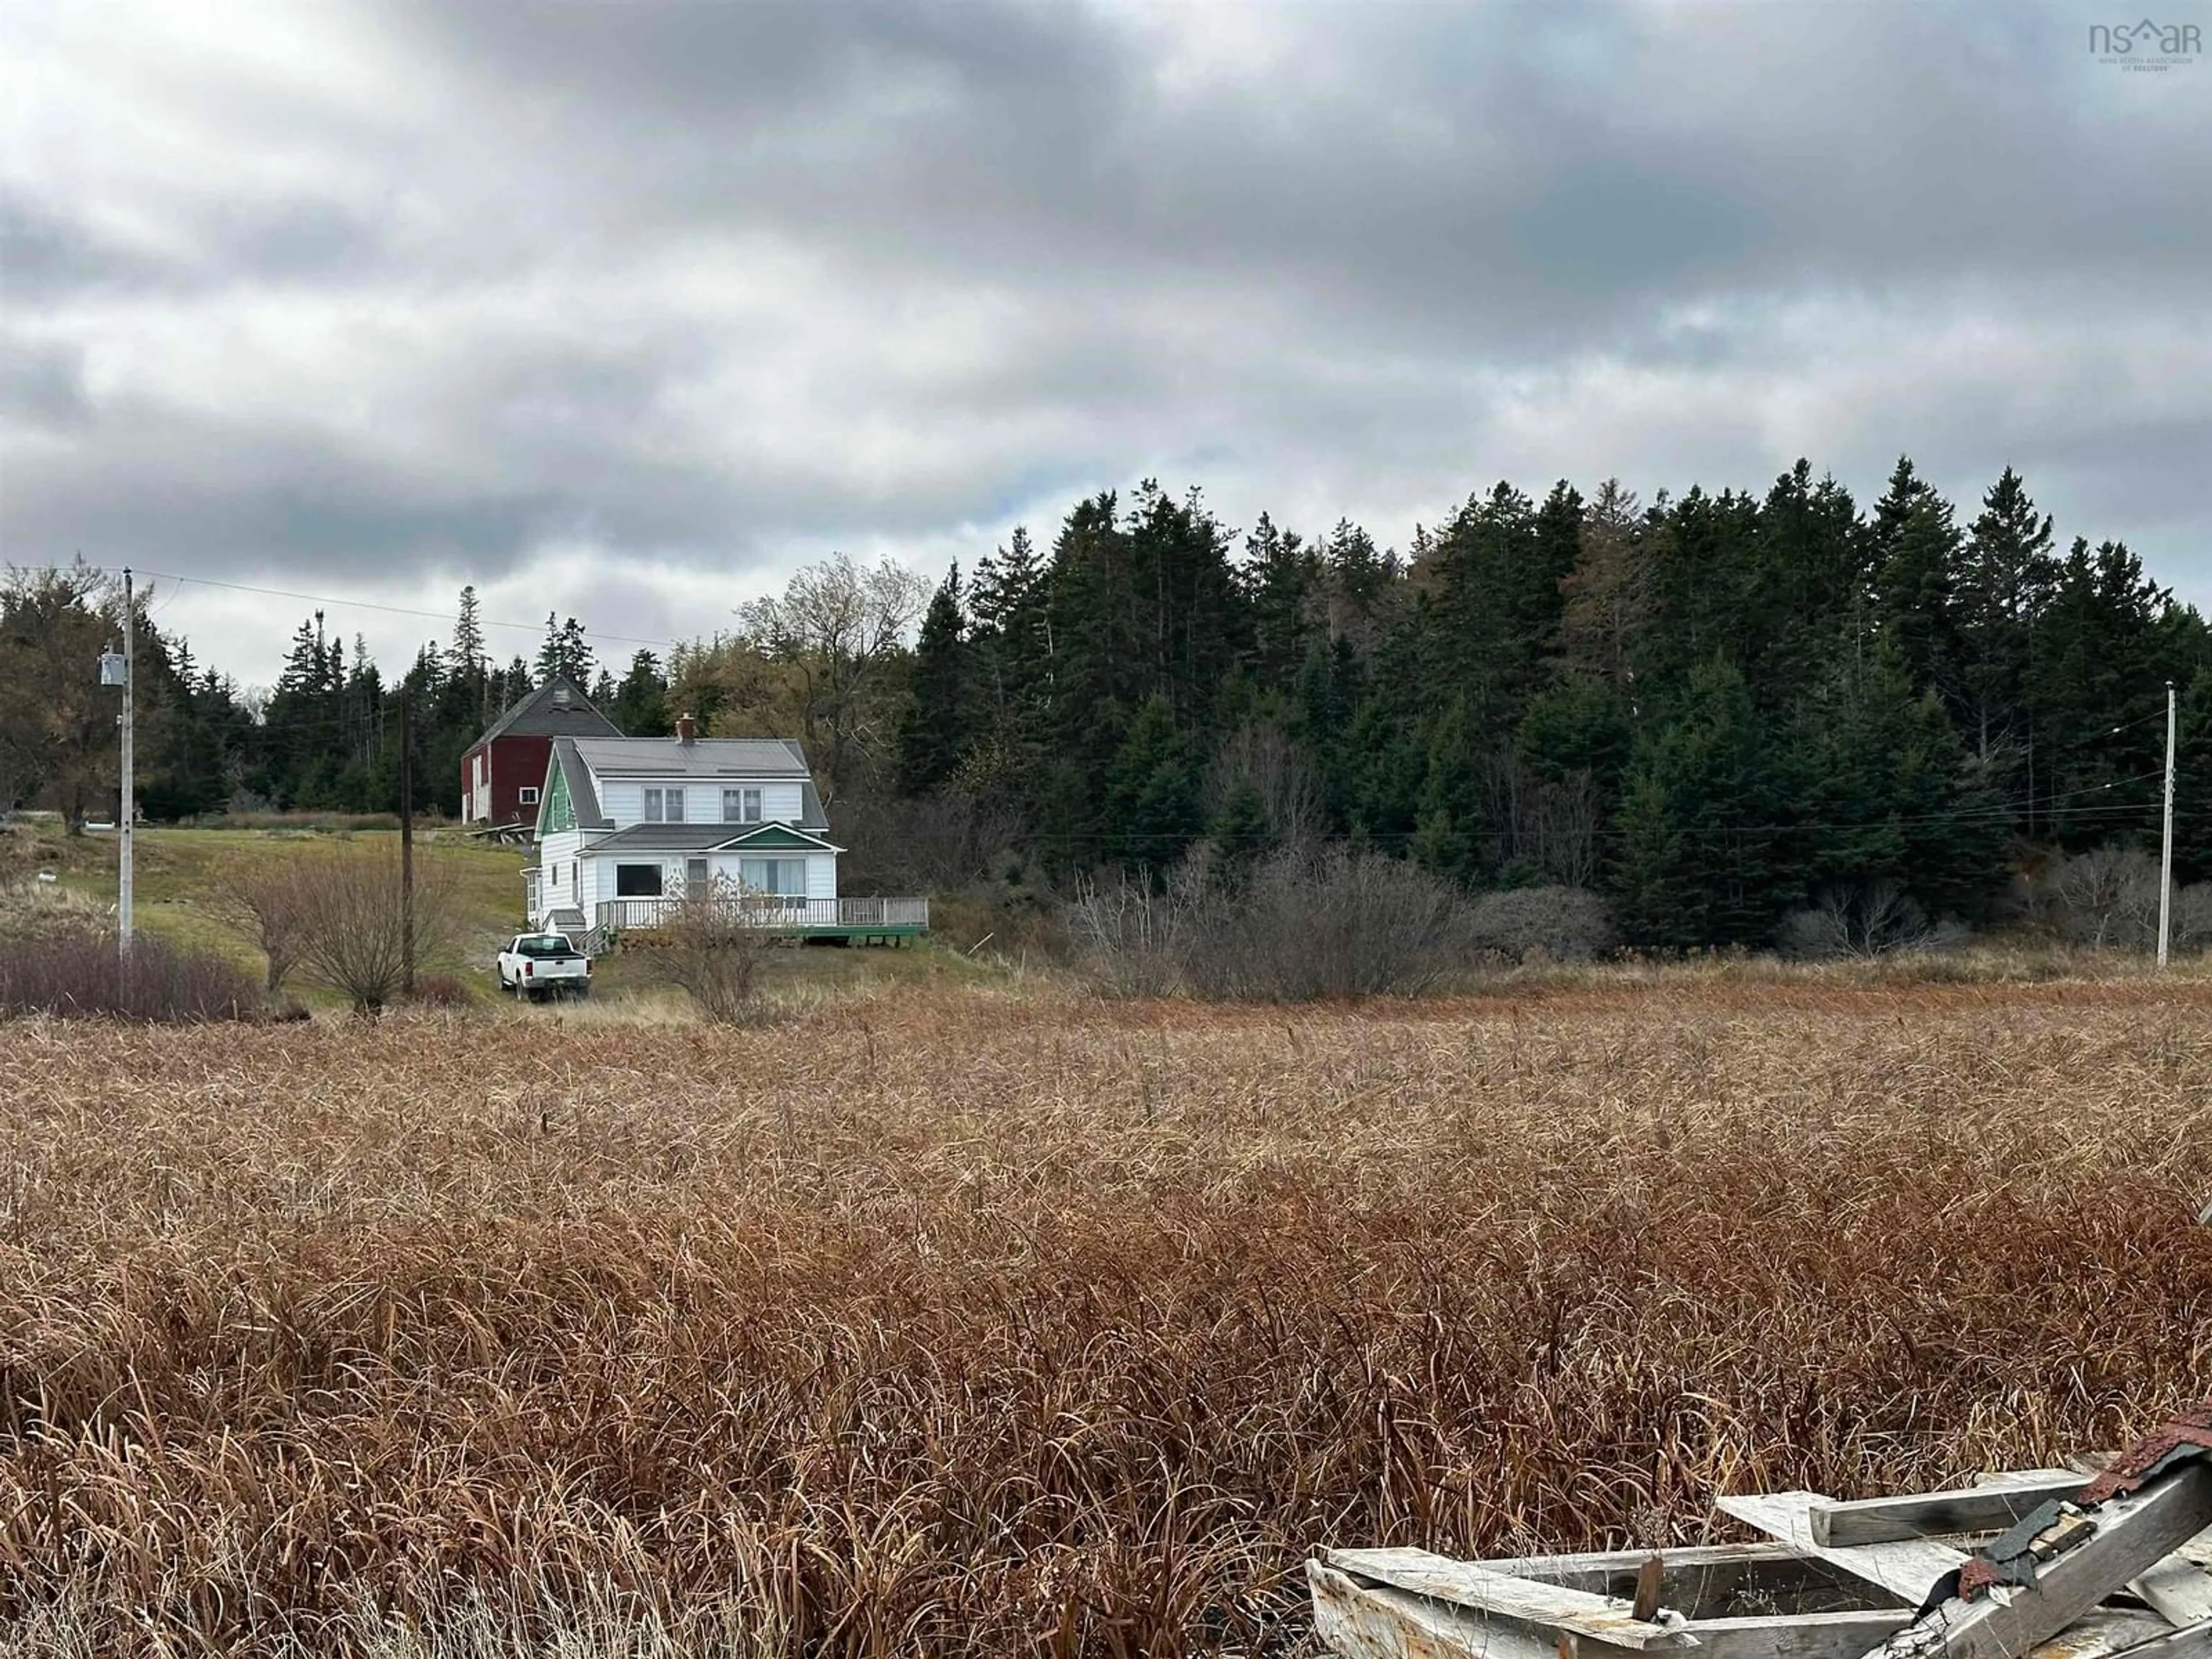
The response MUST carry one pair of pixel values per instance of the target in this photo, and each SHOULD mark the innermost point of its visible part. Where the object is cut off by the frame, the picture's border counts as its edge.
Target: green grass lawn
(178, 872)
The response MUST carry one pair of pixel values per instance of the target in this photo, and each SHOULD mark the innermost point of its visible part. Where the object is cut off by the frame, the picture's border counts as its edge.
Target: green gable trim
(557, 811)
(776, 836)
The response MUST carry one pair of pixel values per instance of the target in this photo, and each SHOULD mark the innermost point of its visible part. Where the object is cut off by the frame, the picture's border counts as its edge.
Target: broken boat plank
(2025, 1477)
(2107, 1633)
(1703, 1581)
(2178, 1589)
(1525, 1601)
(1797, 1634)
(1934, 1514)
(1362, 1621)
(1908, 1569)
(2131, 1533)
(2194, 1643)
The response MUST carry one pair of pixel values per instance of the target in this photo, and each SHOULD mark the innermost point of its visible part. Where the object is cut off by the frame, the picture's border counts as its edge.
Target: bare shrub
(85, 976)
(1567, 924)
(268, 903)
(2106, 898)
(1858, 918)
(352, 932)
(443, 991)
(2192, 917)
(710, 946)
(1335, 923)
(1129, 937)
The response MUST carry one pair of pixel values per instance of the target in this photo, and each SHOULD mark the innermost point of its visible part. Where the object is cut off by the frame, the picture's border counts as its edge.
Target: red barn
(501, 776)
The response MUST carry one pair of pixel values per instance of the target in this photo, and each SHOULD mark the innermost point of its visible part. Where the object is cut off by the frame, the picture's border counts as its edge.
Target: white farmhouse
(628, 825)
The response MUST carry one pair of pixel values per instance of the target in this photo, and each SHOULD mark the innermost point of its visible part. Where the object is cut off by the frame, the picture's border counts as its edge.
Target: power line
(447, 617)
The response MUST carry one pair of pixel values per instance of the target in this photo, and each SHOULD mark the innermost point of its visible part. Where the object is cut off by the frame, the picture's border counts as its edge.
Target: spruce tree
(1153, 809)
(1451, 830)
(1697, 837)
(1358, 582)
(940, 722)
(640, 705)
(2192, 794)
(2008, 576)
(1281, 578)
(1888, 793)
(1576, 725)
(468, 664)
(566, 654)
(1809, 579)
(1700, 581)
(1916, 553)
(2097, 692)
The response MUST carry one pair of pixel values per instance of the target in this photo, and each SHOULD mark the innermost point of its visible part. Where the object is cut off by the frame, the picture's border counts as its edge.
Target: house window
(741, 806)
(637, 881)
(664, 806)
(526, 795)
(784, 878)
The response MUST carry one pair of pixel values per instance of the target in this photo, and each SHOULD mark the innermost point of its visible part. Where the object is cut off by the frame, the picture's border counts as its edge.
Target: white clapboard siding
(623, 799)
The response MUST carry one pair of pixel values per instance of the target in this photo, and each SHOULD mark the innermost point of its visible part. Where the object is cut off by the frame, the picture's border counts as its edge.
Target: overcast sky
(628, 309)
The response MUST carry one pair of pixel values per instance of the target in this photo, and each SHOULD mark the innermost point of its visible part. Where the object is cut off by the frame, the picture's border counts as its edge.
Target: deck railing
(778, 914)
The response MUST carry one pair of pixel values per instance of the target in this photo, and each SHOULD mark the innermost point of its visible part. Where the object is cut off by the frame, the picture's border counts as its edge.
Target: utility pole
(130, 805)
(2166, 851)
(406, 843)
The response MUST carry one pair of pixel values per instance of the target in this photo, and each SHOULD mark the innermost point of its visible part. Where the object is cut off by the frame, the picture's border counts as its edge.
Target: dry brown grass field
(966, 1322)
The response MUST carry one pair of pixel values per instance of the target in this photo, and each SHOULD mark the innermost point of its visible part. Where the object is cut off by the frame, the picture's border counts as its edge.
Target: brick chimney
(687, 729)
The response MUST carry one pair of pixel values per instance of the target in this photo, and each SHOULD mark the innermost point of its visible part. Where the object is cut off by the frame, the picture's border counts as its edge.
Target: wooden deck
(848, 921)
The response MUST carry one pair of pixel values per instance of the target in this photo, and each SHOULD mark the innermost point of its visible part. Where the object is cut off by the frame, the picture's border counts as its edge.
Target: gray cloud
(629, 307)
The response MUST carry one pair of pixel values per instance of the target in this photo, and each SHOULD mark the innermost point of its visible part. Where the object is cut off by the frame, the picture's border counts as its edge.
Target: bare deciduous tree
(1260, 756)
(1568, 924)
(2108, 897)
(1301, 926)
(1549, 824)
(265, 901)
(1129, 937)
(352, 936)
(840, 626)
(1858, 919)
(1609, 592)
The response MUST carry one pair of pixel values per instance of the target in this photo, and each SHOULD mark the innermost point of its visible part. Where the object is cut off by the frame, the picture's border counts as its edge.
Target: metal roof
(583, 799)
(541, 714)
(702, 757)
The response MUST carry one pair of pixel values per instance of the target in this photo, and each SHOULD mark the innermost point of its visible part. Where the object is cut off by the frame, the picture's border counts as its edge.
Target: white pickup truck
(540, 965)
